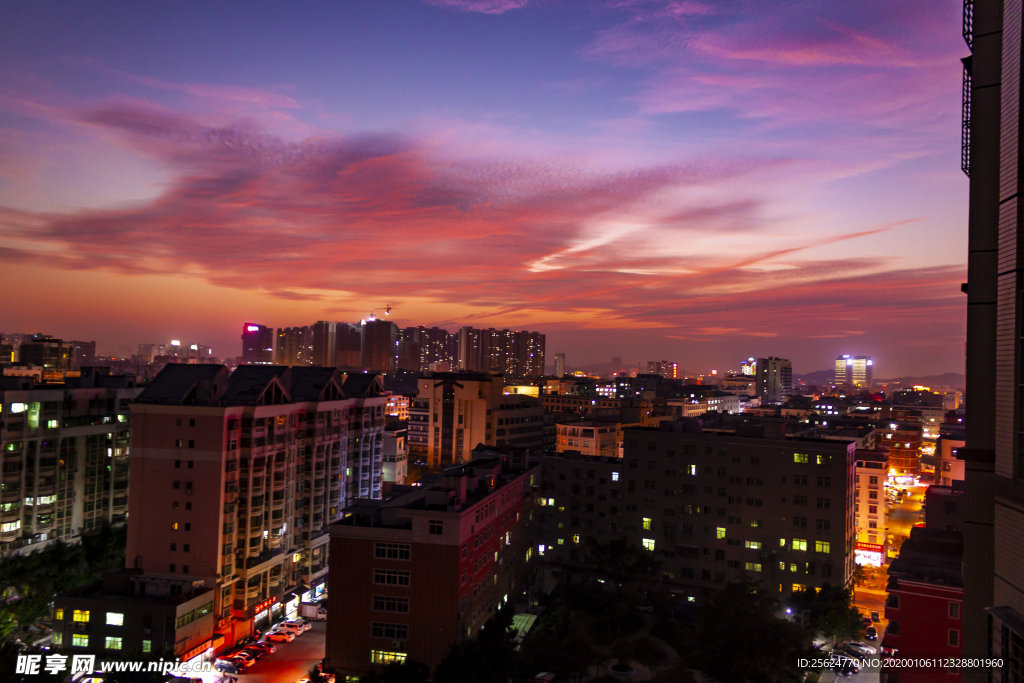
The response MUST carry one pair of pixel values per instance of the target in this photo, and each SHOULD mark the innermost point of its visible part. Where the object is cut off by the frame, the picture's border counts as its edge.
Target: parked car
(289, 629)
(300, 624)
(871, 633)
(860, 648)
(866, 620)
(280, 636)
(269, 648)
(243, 660)
(225, 666)
(875, 618)
(257, 653)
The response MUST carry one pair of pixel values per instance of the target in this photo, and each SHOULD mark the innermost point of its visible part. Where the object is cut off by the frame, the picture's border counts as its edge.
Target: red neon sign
(264, 605)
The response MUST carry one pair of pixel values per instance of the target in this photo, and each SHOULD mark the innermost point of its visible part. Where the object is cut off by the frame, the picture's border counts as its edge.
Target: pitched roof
(249, 382)
(177, 381)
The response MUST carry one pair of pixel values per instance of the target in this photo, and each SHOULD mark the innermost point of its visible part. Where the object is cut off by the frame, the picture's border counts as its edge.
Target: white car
(280, 636)
(300, 624)
(860, 648)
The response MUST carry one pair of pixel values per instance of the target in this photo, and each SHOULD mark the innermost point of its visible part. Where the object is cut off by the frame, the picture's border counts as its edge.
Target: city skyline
(729, 180)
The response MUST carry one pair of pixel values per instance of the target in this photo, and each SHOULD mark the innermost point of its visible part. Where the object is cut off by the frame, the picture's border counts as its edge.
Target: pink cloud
(481, 6)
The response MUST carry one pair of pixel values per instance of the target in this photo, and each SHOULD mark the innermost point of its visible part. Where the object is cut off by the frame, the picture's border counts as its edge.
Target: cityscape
(506, 341)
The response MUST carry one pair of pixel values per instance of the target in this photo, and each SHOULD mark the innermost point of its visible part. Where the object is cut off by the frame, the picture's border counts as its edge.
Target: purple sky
(694, 181)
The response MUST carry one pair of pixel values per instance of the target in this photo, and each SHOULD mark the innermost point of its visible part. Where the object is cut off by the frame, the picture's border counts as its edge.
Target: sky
(687, 180)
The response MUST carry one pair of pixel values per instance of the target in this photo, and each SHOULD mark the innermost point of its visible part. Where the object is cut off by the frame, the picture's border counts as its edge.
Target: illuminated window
(720, 532)
(755, 522)
(51, 424)
(58, 615)
(647, 523)
(799, 587)
(753, 567)
(792, 567)
(17, 408)
(115, 619)
(782, 543)
(387, 657)
(529, 554)
(541, 548)
(113, 643)
(58, 638)
(648, 544)
(561, 541)
(753, 545)
(799, 544)
(801, 458)
(615, 476)
(147, 646)
(81, 615)
(822, 546)
(79, 640)
(575, 538)
(821, 459)
(782, 566)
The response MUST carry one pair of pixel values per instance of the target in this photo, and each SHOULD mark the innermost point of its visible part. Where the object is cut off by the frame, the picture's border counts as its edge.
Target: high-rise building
(454, 412)
(774, 378)
(748, 367)
(560, 364)
(294, 346)
(993, 616)
(235, 478)
(84, 354)
(872, 507)
(425, 570)
(257, 343)
(325, 344)
(348, 345)
(47, 352)
(379, 349)
(855, 371)
(513, 353)
(65, 454)
(664, 368)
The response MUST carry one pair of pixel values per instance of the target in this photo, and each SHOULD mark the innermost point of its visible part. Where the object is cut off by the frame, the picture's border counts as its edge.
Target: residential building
(454, 412)
(83, 354)
(664, 368)
(741, 385)
(903, 441)
(595, 439)
(235, 477)
(774, 377)
(65, 457)
(924, 606)
(395, 449)
(294, 346)
(257, 343)
(871, 506)
(949, 465)
(379, 349)
(512, 353)
(348, 345)
(325, 344)
(124, 614)
(398, 405)
(944, 507)
(714, 501)
(420, 572)
(715, 401)
(47, 352)
(560, 364)
(854, 371)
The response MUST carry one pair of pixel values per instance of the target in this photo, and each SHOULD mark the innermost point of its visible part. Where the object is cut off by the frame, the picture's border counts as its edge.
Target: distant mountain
(949, 379)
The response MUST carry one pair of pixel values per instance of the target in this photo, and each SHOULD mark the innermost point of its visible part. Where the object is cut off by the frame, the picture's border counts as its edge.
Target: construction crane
(387, 312)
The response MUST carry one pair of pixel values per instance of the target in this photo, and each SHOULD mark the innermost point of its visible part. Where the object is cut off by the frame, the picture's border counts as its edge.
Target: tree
(409, 671)
(740, 639)
(622, 561)
(489, 657)
(860, 575)
(830, 611)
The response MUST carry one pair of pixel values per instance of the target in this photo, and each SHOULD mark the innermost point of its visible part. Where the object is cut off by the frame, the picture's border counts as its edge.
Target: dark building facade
(994, 453)
(257, 343)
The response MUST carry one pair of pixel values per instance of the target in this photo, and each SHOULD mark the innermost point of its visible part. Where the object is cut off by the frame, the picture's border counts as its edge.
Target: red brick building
(413, 575)
(925, 604)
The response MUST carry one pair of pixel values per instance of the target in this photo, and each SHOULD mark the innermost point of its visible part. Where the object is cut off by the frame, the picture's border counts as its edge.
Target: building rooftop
(930, 556)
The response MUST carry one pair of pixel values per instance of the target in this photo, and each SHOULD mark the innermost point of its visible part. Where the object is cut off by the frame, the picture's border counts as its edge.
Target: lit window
(58, 638)
(799, 544)
(822, 546)
(540, 549)
(647, 523)
(115, 619)
(51, 424)
(799, 587)
(387, 657)
(147, 646)
(615, 476)
(648, 544)
(113, 643)
(529, 554)
(575, 538)
(755, 522)
(81, 615)
(720, 532)
(17, 408)
(753, 545)
(79, 640)
(821, 459)
(782, 543)
(753, 567)
(801, 458)
(58, 614)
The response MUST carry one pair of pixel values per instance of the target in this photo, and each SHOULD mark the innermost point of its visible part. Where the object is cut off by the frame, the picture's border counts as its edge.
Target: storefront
(869, 553)
(204, 652)
(262, 613)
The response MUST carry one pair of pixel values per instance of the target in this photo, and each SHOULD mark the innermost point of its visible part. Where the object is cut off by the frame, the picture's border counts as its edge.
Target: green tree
(740, 640)
(860, 575)
(489, 657)
(829, 611)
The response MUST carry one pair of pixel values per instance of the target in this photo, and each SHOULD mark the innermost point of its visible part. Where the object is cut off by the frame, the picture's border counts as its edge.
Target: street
(291, 662)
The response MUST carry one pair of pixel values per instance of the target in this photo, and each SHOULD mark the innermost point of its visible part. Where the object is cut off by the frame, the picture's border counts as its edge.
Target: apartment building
(871, 506)
(713, 504)
(510, 352)
(417, 573)
(454, 412)
(590, 438)
(395, 448)
(903, 441)
(65, 457)
(235, 477)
